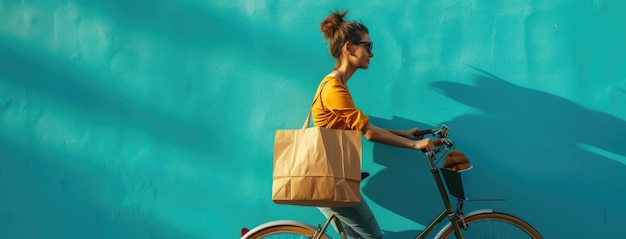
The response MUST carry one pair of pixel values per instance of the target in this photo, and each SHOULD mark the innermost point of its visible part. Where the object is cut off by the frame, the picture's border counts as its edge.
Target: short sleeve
(336, 109)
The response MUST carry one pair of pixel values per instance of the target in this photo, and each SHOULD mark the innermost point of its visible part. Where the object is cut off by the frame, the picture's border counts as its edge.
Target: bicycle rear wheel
(493, 225)
(282, 232)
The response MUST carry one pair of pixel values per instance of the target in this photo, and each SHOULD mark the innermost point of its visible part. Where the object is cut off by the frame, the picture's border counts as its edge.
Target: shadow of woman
(541, 153)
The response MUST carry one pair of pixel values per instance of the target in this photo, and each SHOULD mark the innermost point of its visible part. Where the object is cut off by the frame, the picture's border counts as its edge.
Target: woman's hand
(424, 144)
(412, 133)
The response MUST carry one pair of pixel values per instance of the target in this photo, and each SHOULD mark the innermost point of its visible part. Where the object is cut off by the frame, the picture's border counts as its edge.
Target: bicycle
(482, 223)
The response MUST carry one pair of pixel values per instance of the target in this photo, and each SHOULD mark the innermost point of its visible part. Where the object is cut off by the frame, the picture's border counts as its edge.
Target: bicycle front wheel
(493, 225)
(283, 232)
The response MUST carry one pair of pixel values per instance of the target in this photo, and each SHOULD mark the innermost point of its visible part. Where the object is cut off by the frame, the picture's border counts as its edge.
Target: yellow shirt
(336, 109)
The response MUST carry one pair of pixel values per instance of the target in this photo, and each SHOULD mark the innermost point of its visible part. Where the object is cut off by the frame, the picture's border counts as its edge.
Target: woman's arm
(413, 133)
(379, 135)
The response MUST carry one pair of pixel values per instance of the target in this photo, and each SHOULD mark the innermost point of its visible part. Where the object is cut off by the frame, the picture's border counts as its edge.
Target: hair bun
(332, 23)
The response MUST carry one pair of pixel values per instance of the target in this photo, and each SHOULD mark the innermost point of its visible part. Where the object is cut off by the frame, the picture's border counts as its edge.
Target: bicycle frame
(448, 211)
(320, 230)
(458, 222)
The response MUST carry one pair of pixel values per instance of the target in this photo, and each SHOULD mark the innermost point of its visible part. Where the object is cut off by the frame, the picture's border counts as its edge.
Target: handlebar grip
(421, 133)
(437, 142)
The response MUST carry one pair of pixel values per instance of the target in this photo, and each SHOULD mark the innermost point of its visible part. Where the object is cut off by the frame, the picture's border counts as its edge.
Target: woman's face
(361, 52)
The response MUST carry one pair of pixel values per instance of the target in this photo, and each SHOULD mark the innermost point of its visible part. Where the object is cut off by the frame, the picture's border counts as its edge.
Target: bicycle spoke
(494, 226)
(494, 229)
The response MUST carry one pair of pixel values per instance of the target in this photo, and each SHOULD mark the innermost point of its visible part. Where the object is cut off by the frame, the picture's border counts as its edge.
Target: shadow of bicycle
(540, 153)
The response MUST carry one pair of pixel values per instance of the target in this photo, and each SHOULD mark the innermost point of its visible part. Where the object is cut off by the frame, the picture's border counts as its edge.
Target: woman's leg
(358, 219)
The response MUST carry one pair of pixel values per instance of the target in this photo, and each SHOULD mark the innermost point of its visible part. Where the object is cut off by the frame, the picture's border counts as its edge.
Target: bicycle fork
(459, 214)
(456, 217)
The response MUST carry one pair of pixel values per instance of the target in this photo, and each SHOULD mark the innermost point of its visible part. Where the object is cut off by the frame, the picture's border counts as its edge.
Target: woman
(351, 47)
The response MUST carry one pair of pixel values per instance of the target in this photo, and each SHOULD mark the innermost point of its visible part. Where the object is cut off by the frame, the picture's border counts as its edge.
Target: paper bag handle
(307, 122)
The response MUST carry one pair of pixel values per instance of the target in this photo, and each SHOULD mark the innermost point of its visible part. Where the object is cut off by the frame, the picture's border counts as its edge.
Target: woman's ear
(344, 48)
(348, 49)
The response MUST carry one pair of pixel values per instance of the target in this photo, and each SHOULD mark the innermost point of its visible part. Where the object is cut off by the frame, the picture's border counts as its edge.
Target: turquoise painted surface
(155, 119)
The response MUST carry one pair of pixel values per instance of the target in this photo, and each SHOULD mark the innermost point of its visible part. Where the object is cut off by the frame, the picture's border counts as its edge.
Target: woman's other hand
(424, 144)
(413, 133)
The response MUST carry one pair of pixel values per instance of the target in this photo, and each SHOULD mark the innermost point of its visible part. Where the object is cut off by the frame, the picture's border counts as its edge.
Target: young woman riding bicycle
(350, 45)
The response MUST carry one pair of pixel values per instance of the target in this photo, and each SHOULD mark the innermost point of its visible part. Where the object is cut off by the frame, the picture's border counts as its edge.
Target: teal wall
(155, 119)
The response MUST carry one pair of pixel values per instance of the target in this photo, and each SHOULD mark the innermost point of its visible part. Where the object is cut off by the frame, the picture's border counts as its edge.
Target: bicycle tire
(493, 225)
(283, 232)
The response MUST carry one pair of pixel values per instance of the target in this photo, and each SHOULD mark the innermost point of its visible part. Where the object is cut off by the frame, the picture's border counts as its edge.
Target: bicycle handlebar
(441, 138)
(437, 142)
(422, 133)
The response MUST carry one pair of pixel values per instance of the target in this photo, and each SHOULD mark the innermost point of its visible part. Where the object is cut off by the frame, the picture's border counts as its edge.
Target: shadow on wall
(210, 27)
(49, 80)
(542, 154)
(71, 201)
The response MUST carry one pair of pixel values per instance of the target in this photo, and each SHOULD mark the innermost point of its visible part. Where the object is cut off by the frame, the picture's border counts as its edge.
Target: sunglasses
(367, 44)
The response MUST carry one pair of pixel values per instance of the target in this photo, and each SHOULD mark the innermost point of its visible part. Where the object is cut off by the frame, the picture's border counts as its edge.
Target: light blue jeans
(358, 221)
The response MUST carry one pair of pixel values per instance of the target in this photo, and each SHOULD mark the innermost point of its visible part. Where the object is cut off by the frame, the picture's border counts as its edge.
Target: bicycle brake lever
(442, 132)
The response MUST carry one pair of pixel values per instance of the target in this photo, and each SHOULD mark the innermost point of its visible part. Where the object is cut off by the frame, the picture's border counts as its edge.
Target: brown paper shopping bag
(317, 167)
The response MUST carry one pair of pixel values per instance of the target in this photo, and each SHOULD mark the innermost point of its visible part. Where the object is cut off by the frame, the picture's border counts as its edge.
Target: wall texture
(155, 119)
